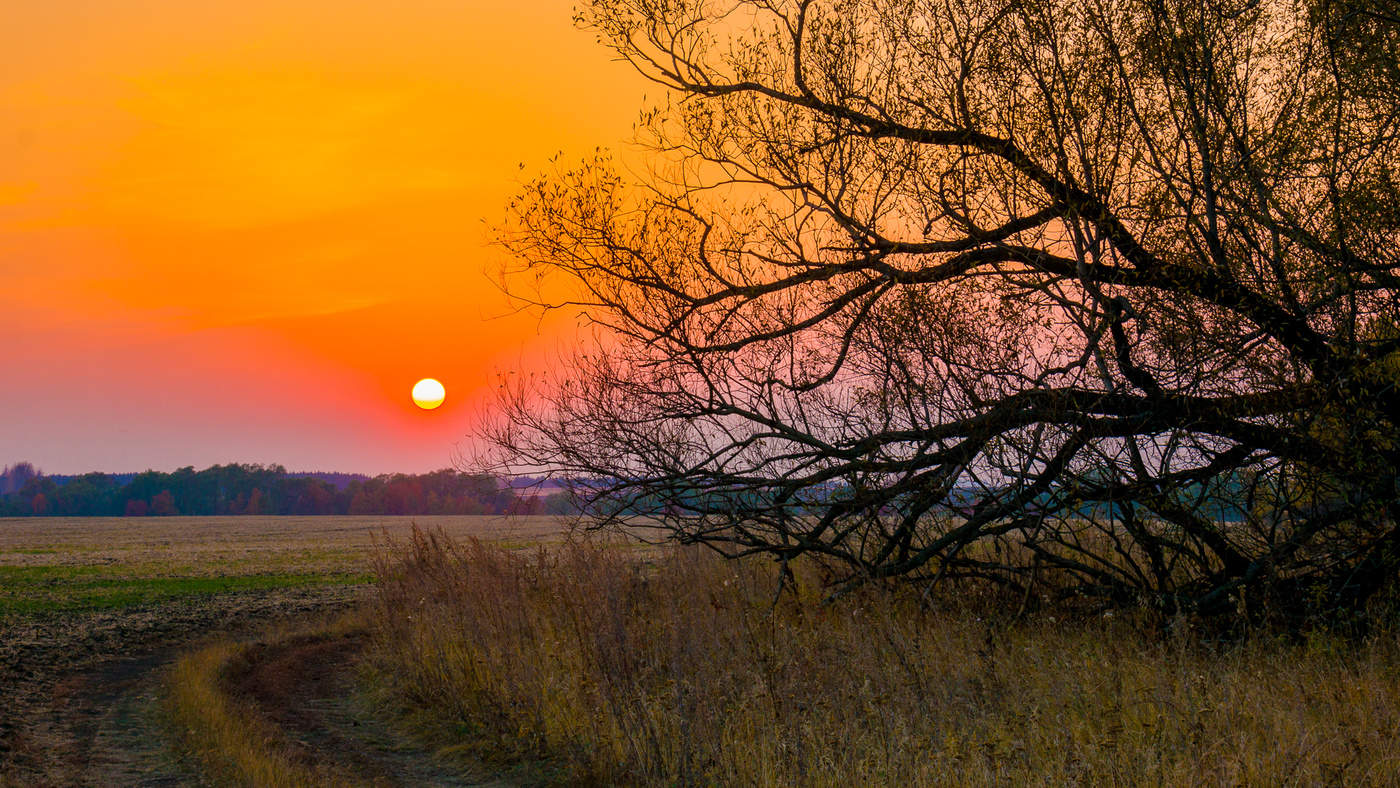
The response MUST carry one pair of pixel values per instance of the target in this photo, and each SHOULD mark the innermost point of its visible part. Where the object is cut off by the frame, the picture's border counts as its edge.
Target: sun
(428, 393)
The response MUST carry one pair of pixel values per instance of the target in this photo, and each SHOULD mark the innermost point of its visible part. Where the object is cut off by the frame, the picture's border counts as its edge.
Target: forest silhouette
(244, 489)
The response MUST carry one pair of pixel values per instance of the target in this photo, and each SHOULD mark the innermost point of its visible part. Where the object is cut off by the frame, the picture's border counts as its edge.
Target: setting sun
(428, 393)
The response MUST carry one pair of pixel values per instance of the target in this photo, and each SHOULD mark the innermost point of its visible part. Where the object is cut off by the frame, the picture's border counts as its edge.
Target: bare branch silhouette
(1089, 300)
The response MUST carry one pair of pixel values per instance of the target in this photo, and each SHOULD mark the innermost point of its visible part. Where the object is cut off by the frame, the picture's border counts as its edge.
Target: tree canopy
(1088, 300)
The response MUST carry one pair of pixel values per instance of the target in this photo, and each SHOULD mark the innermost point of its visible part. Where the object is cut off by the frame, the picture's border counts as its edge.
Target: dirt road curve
(304, 685)
(78, 690)
(78, 701)
(79, 696)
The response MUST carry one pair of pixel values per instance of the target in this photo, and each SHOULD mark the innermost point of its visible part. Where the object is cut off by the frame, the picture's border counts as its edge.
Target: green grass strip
(39, 589)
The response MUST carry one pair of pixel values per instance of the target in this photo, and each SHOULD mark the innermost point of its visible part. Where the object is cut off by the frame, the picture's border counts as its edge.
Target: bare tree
(1091, 299)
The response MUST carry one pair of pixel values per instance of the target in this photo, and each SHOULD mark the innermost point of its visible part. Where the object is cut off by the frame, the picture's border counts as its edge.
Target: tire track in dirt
(107, 729)
(305, 685)
(79, 693)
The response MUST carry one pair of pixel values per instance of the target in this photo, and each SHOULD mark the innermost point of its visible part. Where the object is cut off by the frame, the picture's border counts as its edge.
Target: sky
(240, 230)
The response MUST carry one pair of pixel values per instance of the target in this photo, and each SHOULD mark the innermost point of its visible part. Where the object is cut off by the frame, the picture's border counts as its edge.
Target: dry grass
(681, 670)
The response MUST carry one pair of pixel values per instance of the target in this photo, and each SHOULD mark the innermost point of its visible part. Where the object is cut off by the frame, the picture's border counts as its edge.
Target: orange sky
(239, 230)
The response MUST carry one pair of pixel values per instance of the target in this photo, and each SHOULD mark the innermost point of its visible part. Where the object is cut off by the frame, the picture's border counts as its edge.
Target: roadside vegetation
(682, 668)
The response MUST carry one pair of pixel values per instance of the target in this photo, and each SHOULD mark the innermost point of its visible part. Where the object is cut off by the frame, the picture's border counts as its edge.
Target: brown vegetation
(680, 668)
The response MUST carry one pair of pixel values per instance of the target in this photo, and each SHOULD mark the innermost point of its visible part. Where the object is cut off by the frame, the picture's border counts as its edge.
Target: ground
(92, 611)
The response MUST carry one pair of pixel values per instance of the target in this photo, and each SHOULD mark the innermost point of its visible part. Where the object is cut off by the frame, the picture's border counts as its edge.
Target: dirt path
(79, 690)
(79, 693)
(305, 685)
(84, 706)
(104, 728)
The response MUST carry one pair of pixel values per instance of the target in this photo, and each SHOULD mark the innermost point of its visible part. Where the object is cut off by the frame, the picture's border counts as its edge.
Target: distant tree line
(238, 489)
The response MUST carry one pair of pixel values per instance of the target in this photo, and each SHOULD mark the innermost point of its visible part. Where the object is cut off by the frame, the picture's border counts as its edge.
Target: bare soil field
(92, 610)
(209, 545)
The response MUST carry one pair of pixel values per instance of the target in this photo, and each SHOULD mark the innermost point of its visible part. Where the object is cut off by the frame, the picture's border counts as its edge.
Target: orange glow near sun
(217, 198)
(428, 393)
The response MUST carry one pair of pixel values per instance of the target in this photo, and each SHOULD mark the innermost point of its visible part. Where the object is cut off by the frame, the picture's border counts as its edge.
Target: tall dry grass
(680, 669)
